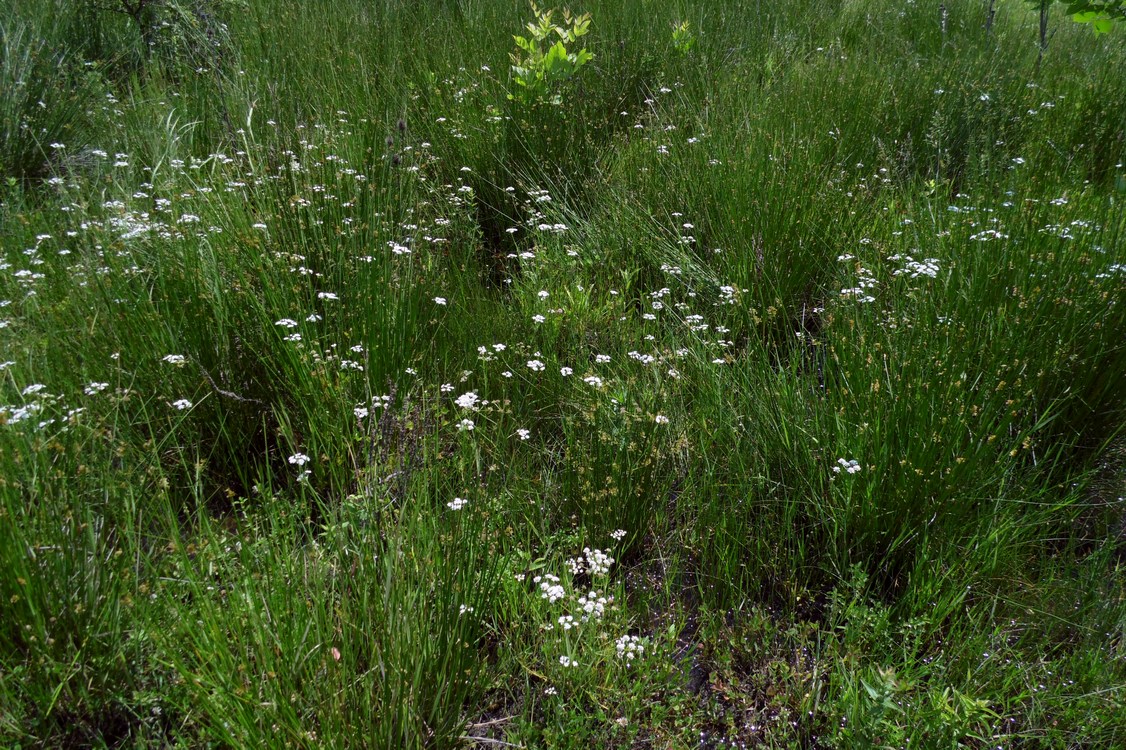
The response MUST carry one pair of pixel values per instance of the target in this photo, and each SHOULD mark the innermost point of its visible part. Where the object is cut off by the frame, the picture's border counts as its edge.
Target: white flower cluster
(915, 268)
(988, 235)
(593, 605)
(378, 402)
(594, 561)
(727, 295)
(550, 588)
(866, 281)
(15, 414)
(597, 561)
(467, 400)
(851, 466)
(629, 647)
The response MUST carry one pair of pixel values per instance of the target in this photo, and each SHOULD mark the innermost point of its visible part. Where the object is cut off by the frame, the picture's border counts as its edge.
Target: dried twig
(228, 394)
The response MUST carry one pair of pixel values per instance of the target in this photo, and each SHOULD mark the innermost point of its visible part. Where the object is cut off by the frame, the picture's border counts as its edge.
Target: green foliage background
(808, 318)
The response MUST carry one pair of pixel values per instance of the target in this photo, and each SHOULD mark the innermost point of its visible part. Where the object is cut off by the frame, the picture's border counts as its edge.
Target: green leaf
(872, 692)
(555, 62)
(1101, 22)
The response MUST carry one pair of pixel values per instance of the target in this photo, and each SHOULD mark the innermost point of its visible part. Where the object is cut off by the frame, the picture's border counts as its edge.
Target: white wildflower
(597, 561)
(467, 400)
(629, 647)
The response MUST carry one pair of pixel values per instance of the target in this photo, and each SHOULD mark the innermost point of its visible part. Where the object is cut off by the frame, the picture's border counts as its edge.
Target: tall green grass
(350, 403)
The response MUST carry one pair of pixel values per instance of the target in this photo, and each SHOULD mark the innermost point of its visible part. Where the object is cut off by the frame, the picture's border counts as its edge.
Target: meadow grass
(765, 392)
